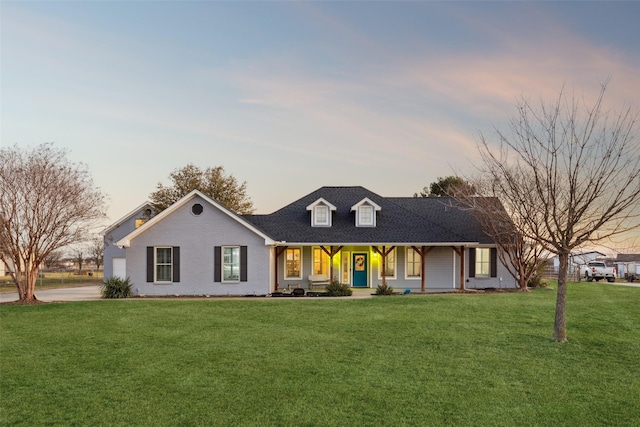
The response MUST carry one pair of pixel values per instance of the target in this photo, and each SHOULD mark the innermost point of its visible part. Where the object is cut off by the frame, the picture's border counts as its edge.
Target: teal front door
(360, 273)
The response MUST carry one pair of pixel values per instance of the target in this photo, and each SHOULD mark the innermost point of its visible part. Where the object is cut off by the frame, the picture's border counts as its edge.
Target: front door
(360, 272)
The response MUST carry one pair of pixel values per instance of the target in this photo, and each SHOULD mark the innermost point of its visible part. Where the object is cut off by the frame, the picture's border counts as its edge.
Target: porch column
(423, 251)
(278, 251)
(331, 252)
(383, 253)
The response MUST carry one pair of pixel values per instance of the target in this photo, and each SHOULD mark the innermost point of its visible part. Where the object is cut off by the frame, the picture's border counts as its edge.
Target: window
(390, 267)
(197, 209)
(346, 267)
(231, 264)
(140, 221)
(164, 265)
(321, 215)
(320, 261)
(292, 263)
(483, 262)
(414, 263)
(365, 215)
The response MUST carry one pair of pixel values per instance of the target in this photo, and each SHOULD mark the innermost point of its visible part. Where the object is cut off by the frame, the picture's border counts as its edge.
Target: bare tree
(570, 173)
(46, 202)
(78, 257)
(97, 251)
(53, 258)
(521, 256)
(212, 181)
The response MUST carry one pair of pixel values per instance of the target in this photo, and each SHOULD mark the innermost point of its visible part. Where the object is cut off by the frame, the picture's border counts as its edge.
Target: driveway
(83, 293)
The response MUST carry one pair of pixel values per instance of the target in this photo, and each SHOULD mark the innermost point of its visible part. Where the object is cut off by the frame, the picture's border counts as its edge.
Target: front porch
(421, 268)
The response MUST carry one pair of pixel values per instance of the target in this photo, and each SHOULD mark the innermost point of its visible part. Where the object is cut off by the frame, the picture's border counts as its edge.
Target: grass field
(404, 360)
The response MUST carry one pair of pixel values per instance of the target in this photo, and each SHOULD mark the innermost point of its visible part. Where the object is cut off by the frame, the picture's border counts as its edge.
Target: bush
(116, 287)
(384, 289)
(337, 289)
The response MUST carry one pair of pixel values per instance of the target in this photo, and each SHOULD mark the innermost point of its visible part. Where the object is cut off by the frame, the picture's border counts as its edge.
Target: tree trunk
(560, 326)
(27, 286)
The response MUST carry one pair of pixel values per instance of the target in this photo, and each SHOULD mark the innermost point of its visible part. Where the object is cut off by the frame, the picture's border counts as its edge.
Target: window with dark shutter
(472, 262)
(243, 263)
(494, 262)
(176, 264)
(150, 264)
(217, 264)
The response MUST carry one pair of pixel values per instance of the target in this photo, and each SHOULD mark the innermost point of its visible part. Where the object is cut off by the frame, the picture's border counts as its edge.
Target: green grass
(403, 360)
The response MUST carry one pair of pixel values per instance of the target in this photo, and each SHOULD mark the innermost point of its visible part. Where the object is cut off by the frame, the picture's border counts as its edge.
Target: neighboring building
(199, 247)
(624, 261)
(576, 260)
(114, 257)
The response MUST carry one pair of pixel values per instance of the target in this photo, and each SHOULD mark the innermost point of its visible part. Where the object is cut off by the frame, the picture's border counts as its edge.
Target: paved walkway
(83, 293)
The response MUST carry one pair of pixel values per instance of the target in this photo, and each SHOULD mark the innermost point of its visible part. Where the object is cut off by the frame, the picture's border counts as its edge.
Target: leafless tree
(569, 171)
(46, 202)
(97, 251)
(521, 256)
(78, 257)
(53, 258)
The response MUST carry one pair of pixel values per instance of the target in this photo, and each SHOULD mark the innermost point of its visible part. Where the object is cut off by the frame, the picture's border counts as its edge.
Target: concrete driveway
(83, 293)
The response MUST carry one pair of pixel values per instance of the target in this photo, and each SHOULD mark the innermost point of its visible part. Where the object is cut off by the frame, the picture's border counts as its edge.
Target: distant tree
(212, 181)
(448, 186)
(46, 202)
(78, 258)
(96, 251)
(53, 258)
(569, 172)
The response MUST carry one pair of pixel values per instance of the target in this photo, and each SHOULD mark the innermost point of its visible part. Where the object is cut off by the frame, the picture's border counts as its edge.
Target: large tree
(46, 202)
(569, 171)
(447, 186)
(211, 181)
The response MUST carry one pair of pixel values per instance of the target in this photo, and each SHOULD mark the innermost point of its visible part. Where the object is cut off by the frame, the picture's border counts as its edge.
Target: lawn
(401, 360)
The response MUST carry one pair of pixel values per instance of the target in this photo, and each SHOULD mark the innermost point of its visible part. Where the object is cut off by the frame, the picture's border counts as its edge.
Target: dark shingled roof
(416, 220)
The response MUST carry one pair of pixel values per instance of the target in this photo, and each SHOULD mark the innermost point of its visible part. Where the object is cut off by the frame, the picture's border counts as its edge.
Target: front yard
(403, 360)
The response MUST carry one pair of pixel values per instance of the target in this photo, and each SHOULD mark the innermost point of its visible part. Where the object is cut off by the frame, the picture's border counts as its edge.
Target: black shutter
(176, 264)
(472, 262)
(493, 258)
(243, 263)
(150, 264)
(217, 261)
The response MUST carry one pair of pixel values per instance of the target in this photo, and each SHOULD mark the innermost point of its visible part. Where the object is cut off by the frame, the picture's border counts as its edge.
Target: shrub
(116, 287)
(384, 289)
(337, 289)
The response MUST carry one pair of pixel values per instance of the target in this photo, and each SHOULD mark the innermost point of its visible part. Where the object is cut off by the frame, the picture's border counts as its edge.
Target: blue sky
(291, 96)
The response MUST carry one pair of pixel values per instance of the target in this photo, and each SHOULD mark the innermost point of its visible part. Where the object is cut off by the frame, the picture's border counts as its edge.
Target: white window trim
(345, 256)
(321, 210)
(313, 208)
(488, 263)
(322, 254)
(371, 211)
(366, 202)
(284, 264)
(406, 265)
(395, 271)
(155, 265)
(222, 279)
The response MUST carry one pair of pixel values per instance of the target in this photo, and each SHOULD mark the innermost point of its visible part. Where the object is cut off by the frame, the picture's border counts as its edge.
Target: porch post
(278, 252)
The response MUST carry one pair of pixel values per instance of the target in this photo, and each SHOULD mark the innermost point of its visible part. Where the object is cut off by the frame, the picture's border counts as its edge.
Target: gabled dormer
(321, 213)
(365, 211)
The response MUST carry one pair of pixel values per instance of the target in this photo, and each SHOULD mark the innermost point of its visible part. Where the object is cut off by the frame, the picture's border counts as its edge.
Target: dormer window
(365, 213)
(321, 213)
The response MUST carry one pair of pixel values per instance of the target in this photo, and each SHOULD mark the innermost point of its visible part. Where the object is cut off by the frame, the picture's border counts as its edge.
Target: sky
(292, 96)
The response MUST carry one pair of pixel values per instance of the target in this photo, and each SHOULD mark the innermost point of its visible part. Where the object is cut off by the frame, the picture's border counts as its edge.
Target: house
(624, 262)
(349, 234)
(114, 256)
